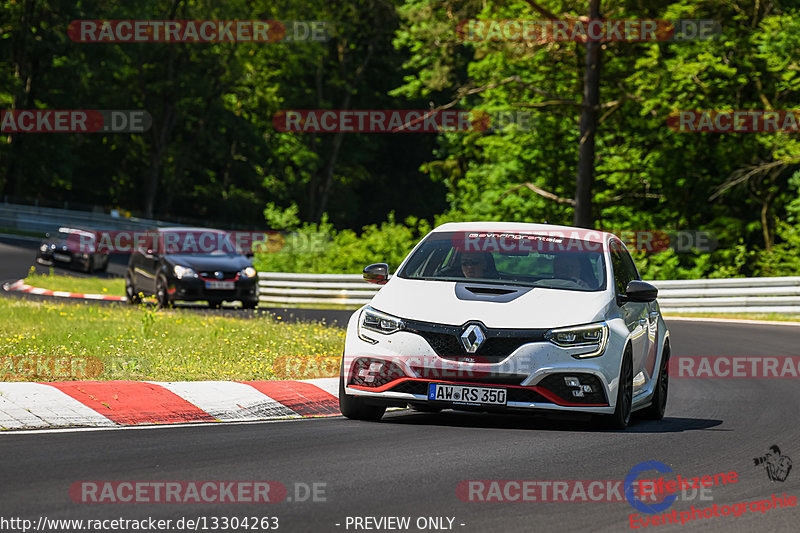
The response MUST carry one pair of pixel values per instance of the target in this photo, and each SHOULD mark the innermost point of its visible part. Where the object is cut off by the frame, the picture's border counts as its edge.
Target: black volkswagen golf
(190, 264)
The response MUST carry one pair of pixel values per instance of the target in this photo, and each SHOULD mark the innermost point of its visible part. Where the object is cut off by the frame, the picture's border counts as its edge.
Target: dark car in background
(73, 248)
(191, 264)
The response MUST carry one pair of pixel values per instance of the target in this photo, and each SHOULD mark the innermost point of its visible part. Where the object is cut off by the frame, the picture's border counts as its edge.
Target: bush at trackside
(321, 249)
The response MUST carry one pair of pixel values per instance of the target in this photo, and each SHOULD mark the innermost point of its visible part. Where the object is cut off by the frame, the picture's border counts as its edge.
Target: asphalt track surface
(409, 464)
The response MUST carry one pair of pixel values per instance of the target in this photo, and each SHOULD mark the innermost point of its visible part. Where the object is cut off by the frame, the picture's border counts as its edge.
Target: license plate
(64, 258)
(224, 285)
(466, 394)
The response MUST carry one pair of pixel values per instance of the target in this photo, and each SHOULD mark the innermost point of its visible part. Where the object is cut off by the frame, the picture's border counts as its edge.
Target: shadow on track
(575, 423)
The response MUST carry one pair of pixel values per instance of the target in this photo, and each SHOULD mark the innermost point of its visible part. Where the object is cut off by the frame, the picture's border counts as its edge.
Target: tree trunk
(25, 69)
(591, 100)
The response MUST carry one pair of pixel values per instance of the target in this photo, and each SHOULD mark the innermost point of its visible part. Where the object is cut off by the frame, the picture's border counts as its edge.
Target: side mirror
(638, 291)
(377, 273)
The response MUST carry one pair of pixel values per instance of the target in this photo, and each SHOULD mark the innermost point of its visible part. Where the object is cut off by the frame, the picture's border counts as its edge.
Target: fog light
(586, 388)
(368, 373)
(577, 393)
(572, 382)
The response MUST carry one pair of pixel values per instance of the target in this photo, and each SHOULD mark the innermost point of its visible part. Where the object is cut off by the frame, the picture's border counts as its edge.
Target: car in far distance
(191, 264)
(74, 248)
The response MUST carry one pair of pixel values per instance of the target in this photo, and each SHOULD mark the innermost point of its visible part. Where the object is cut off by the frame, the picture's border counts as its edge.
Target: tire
(622, 414)
(162, 296)
(249, 304)
(130, 291)
(656, 409)
(354, 408)
(214, 305)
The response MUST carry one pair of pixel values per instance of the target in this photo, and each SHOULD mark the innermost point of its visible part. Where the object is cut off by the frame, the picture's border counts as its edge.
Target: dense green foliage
(215, 155)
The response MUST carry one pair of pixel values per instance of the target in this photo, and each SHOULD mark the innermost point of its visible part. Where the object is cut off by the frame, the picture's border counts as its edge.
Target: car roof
(571, 232)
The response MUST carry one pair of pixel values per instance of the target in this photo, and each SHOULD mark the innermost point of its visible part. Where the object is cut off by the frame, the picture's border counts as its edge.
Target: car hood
(210, 262)
(437, 301)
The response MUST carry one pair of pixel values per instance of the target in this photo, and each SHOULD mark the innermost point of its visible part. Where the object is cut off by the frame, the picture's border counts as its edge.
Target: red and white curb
(21, 286)
(129, 403)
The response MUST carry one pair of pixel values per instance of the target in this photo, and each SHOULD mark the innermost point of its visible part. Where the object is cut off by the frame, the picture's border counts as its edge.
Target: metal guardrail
(44, 219)
(732, 295)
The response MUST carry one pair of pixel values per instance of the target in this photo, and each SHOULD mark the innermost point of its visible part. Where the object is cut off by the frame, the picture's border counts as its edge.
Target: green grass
(108, 286)
(88, 341)
(741, 316)
(9, 231)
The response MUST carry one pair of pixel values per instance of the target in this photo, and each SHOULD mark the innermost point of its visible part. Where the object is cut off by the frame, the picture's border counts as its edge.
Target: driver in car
(478, 265)
(567, 266)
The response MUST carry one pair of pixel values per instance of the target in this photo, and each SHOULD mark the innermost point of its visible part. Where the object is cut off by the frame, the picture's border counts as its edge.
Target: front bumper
(191, 289)
(401, 366)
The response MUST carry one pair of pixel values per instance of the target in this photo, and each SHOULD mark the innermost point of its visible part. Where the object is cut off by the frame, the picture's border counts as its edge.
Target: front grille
(411, 387)
(555, 384)
(211, 274)
(526, 396)
(467, 376)
(498, 344)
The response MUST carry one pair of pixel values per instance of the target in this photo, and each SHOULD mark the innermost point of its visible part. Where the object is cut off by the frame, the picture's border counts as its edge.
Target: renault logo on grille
(472, 338)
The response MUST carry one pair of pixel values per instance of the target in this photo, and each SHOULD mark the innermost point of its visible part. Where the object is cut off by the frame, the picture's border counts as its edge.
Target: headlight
(593, 337)
(43, 247)
(183, 272)
(373, 320)
(249, 272)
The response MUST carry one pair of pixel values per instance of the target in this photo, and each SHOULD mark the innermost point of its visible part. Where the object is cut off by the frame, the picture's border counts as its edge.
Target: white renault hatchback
(509, 317)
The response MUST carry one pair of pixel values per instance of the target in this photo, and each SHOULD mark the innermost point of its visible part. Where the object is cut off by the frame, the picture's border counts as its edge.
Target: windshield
(199, 242)
(518, 259)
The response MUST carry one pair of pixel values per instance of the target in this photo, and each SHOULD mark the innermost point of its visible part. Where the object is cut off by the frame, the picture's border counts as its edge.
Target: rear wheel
(659, 405)
(355, 408)
(130, 291)
(622, 414)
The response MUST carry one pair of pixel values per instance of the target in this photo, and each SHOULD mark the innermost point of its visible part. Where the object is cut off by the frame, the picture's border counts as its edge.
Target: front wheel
(622, 414)
(131, 295)
(659, 405)
(162, 296)
(354, 408)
